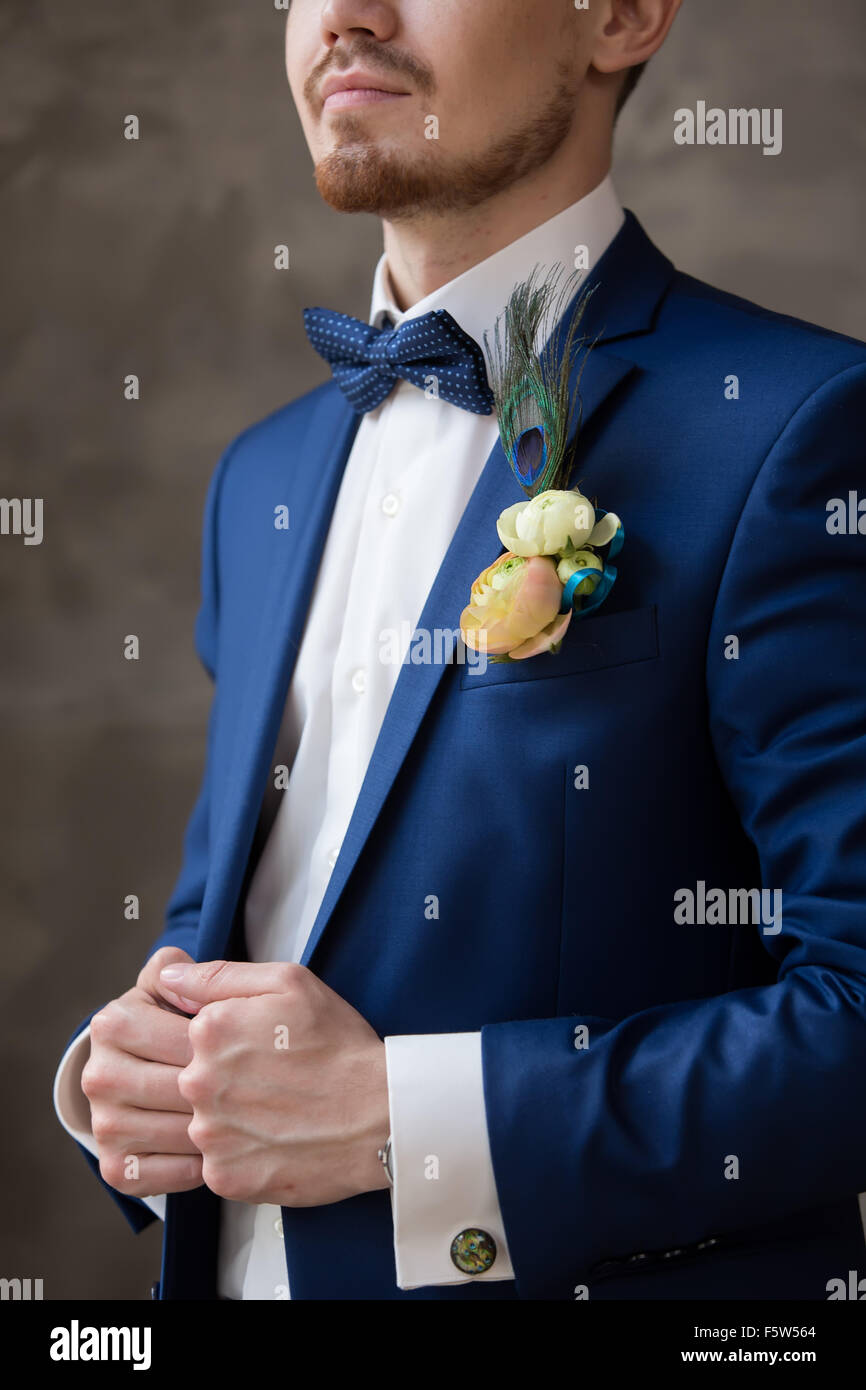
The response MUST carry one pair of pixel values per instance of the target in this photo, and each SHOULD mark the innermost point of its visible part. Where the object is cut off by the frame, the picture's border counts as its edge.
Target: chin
(362, 178)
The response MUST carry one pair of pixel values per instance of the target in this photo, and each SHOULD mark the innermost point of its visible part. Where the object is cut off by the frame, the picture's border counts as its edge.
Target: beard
(359, 176)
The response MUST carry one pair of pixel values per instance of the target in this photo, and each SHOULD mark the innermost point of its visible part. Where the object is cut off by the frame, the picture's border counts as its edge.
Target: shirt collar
(479, 295)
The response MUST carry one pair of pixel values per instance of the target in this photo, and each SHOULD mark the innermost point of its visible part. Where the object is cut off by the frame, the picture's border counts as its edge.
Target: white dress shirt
(411, 470)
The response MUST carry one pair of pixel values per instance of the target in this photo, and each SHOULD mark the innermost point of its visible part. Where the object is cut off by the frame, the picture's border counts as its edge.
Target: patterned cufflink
(473, 1251)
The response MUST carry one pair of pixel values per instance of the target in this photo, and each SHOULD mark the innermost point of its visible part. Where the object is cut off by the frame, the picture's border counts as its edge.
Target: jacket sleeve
(184, 906)
(620, 1147)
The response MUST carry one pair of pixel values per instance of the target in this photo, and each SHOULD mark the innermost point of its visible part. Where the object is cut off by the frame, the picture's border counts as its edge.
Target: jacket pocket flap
(606, 639)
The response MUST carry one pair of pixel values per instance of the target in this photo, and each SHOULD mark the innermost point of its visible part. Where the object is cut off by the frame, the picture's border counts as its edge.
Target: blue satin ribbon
(606, 579)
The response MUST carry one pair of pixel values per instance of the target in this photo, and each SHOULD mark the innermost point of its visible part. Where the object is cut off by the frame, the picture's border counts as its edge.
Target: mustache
(368, 52)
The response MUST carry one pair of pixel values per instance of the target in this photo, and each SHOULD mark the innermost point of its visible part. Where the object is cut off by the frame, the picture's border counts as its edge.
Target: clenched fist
(286, 1081)
(139, 1046)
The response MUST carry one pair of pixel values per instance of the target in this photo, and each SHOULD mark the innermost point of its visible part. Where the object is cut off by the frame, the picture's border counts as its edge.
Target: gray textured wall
(156, 257)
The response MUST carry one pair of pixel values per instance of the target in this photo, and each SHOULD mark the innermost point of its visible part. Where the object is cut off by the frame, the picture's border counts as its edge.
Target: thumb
(204, 982)
(148, 976)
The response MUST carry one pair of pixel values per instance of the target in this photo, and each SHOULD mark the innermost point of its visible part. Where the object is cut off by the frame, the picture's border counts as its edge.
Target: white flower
(581, 560)
(546, 524)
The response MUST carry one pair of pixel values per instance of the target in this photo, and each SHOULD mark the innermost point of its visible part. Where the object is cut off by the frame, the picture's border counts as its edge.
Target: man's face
(477, 94)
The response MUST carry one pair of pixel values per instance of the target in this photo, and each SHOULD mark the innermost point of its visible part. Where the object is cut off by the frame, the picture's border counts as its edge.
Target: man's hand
(139, 1045)
(287, 1084)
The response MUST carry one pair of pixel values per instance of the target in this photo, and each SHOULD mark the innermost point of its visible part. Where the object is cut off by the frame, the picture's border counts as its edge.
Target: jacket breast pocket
(590, 644)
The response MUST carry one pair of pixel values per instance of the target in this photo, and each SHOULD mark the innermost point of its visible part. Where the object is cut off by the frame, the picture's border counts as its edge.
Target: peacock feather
(531, 392)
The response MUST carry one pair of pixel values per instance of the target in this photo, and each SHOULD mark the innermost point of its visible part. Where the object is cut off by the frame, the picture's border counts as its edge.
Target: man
(582, 935)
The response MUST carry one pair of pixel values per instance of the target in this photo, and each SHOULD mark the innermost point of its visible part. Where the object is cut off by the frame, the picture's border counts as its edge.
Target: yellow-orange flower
(513, 608)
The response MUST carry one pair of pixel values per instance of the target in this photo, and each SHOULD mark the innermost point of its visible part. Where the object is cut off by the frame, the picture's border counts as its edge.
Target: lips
(365, 84)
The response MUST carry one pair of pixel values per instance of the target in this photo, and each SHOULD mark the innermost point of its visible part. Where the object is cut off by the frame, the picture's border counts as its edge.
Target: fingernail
(172, 974)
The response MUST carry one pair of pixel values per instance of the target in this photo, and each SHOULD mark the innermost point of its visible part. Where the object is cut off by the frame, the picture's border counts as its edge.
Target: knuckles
(112, 1169)
(96, 1081)
(295, 977)
(211, 1024)
(298, 984)
(105, 1026)
(202, 1132)
(224, 1181)
(195, 1084)
(106, 1127)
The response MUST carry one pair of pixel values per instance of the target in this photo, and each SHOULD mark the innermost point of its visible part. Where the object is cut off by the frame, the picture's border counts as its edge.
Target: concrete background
(156, 257)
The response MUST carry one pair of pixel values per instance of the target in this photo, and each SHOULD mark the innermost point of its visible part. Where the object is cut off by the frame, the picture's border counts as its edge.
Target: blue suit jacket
(557, 904)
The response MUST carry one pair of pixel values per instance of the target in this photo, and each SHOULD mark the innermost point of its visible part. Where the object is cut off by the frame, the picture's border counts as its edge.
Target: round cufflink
(473, 1251)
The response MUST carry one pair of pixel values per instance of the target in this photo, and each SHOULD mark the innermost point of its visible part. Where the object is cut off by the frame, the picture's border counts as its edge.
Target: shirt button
(390, 504)
(278, 1225)
(359, 680)
(332, 857)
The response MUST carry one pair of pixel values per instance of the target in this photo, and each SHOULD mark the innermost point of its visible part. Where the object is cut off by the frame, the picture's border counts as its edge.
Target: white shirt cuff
(440, 1155)
(73, 1109)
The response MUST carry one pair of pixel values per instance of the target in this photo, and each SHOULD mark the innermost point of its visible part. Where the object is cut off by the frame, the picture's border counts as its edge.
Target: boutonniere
(558, 544)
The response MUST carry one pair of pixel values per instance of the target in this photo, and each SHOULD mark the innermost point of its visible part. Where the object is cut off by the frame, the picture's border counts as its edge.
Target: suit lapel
(325, 447)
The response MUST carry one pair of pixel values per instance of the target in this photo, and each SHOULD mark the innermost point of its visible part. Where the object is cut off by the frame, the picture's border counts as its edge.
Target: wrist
(375, 1138)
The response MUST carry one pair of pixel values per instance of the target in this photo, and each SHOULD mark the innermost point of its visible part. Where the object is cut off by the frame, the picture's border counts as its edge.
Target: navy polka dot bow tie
(431, 351)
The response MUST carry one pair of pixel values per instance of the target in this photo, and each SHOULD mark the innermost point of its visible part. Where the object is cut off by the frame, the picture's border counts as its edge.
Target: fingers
(132, 1024)
(151, 1174)
(123, 1129)
(207, 981)
(140, 1121)
(114, 1078)
(148, 978)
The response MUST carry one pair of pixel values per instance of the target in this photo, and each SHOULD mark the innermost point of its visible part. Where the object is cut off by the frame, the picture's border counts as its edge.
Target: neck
(426, 250)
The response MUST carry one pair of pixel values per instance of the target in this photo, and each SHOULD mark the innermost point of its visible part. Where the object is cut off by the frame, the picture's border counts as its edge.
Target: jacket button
(473, 1251)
